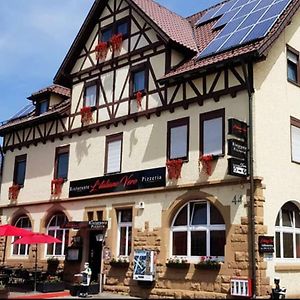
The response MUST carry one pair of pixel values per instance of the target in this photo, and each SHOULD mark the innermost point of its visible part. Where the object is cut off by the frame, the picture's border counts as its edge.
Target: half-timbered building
(162, 137)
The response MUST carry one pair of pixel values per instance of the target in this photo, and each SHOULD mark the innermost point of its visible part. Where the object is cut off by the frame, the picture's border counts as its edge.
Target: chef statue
(86, 279)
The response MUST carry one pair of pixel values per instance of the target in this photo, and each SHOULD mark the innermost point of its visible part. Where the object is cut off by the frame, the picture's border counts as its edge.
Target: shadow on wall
(82, 149)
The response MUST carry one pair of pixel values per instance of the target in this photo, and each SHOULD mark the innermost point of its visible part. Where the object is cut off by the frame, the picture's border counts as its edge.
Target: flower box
(176, 265)
(46, 286)
(119, 264)
(201, 266)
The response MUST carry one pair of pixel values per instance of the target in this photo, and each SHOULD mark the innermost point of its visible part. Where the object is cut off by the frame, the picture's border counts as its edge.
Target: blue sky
(35, 36)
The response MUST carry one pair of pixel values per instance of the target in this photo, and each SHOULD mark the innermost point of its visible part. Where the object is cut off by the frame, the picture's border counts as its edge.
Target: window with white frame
(55, 229)
(198, 229)
(287, 232)
(124, 231)
(21, 249)
(212, 132)
(295, 139)
(113, 153)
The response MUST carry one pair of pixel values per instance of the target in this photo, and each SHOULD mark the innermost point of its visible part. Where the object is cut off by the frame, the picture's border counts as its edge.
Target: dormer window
(42, 107)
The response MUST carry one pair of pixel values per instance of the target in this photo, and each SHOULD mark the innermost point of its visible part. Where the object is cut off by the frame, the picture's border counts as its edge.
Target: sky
(35, 36)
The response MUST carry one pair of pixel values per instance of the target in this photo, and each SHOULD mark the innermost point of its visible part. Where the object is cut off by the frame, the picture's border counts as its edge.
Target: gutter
(251, 212)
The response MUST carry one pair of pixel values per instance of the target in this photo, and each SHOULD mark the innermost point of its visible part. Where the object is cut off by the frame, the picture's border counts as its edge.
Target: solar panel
(244, 21)
(26, 110)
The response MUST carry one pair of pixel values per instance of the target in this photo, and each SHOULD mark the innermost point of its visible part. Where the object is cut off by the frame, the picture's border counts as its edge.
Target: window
(293, 65)
(212, 133)
(124, 231)
(22, 222)
(139, 79)
(62, 162)
(113, 153)
(287, 232)
(42, 106)
(54, 229)
(90, 94)
(121, 26)
(20, 169)
(295, 139)
(178, 139)
(198, 229)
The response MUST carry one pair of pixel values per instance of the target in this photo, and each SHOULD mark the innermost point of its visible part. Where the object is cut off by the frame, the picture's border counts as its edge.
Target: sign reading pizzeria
(136, 180)
(237, 148)
(266, 244)
(237, 128)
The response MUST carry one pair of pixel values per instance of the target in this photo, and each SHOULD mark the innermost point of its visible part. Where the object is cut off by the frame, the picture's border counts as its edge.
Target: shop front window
(21, 249)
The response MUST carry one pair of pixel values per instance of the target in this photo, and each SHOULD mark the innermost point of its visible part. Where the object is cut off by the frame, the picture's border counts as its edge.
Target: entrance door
(95, 254)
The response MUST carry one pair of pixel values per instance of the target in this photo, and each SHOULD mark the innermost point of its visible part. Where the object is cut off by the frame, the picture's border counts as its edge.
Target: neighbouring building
(179, 136)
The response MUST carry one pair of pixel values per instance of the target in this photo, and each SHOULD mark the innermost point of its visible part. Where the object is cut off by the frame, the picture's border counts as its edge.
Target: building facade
(142, 144)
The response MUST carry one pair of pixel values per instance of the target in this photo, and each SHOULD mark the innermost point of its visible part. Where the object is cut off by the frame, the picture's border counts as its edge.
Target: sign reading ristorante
(136, 180)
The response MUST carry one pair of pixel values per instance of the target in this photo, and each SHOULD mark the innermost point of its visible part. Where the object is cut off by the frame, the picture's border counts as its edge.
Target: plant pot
(119, 264)
(94, 288)
(178, 265)
(207, 267)
(46, 287)
(4, 292)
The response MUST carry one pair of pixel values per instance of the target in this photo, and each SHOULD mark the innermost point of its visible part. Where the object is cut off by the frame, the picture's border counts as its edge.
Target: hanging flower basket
(86, 115)
(174, 168)
(139, 97)
(13, 192)
(206, 161)
(208, 263)
(116, 42)
(101, 50)
(56, 186)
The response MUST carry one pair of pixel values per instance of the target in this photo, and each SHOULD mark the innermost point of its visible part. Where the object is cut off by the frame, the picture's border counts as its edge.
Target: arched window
(22, 222)
(198, 229)
(287, 232)
(55, 229)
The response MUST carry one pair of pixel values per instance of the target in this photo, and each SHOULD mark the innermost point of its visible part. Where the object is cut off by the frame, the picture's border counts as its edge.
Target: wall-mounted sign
(98, 225)
(237, 148)
(237, 167)
(237, 128)
(137, 180)
(241, 287)
(144, 266)
(266, 244)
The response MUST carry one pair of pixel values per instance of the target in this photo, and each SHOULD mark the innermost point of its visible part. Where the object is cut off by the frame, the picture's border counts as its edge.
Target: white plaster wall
(275, 100)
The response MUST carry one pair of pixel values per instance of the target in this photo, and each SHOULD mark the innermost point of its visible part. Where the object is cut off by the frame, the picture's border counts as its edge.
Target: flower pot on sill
(207, 266)
(178, 265)
(119, 264)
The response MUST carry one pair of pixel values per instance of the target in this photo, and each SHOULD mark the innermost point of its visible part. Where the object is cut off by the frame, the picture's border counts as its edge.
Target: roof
(177, 28)
(55, 89)
(204, 35)
(58, 109)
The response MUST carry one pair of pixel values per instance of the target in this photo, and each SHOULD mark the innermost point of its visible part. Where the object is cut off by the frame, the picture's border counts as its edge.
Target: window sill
(287, 267)
(294, 82)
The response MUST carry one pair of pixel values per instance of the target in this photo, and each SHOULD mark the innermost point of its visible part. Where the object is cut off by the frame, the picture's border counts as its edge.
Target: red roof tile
(55, 88)
(176, 27)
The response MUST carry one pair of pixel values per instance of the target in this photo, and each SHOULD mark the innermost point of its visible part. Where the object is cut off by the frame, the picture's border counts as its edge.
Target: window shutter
(213, 136)
(114, 156)
(178, 146)
(295, 144)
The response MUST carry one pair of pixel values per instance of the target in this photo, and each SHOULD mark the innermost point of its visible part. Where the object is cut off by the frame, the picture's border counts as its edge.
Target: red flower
(174, 168)
(13, 192)
(116, 42)
(86, 115)
(101, 50)
(206, 162)
(139, 97)
(56, 186)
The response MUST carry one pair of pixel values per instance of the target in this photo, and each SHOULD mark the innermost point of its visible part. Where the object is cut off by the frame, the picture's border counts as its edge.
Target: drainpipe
(249, 82)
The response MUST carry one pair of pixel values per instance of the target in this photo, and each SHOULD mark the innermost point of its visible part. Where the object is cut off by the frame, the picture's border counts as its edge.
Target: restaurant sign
(136, 180)
(237, 128)
(266, 244)
(237, 167)
(237, 148)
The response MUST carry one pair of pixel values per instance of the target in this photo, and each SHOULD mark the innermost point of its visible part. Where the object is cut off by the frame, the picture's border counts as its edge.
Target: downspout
(1, 167)
(252, 241)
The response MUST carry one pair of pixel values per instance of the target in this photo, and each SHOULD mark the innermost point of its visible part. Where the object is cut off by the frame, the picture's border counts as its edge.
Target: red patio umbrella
(37, 238)
(10, 230)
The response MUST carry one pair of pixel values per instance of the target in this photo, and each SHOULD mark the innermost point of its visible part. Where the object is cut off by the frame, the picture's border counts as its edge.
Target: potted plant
(177, 262)
(121, 262)
(52, 265)
(51, 284)
(208, 263)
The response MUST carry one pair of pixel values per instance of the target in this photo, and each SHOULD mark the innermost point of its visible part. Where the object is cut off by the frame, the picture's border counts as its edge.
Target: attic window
(293, 65)
(121, 26)
(106, 34)
(42, 106)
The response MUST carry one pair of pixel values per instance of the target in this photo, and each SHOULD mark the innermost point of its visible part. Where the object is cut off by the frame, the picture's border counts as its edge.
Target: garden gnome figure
(86, 278)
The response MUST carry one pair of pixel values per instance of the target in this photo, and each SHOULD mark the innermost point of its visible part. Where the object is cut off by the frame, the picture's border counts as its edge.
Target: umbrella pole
(35, 267)
(4, 250)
